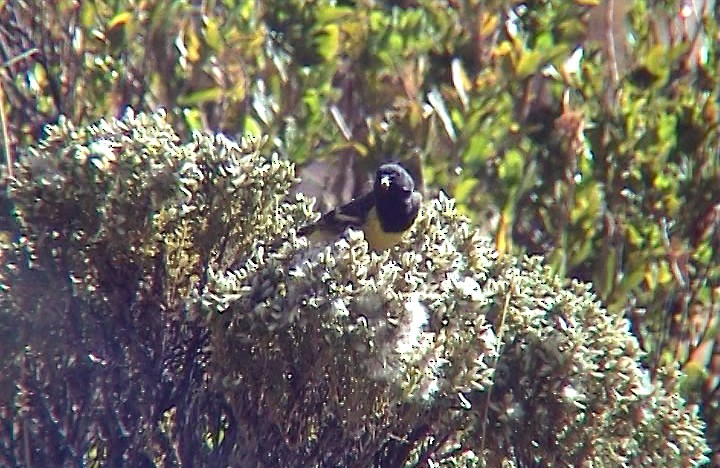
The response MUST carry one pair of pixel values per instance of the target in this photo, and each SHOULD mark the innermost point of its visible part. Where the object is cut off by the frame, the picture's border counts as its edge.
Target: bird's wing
(353, 214)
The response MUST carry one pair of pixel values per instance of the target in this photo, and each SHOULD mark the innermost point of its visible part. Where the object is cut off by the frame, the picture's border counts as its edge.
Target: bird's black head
(396, 202)
(393, 180)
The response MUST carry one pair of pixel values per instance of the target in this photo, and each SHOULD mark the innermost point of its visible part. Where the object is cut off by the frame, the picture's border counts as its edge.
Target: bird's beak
(385, 181)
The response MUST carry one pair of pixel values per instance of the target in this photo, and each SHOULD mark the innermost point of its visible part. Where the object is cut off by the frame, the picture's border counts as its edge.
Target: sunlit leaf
(511, 167)
(87, 14)
(657, 60)
(488, 24)
(201, 96)
(213, 37)
(581, 253)
(252, 127)
(529, 63)
(464, 190)
(115, 31)
(504, 48)
(604, 276)
(119, 20)
(502, 236)
(327, 41)
(478, 148)
(438, 103)
(193, 119)
(460, 81)
(632, 278)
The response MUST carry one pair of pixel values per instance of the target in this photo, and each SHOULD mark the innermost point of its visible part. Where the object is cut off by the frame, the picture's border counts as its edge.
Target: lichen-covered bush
(115, 225)
(191, 325)
(441, 344)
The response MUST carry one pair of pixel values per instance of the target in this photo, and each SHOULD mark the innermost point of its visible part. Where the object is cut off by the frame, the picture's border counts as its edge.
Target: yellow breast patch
(377, 239)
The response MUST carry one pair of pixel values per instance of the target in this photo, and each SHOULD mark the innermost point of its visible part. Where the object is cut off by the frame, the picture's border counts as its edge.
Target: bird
(385, 214)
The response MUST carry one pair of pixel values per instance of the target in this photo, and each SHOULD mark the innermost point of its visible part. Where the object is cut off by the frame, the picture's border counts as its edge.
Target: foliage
(441, 350)
(586, 131)
(118, 223)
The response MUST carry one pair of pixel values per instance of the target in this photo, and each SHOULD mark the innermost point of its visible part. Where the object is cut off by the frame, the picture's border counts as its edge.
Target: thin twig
(611, 52)
(501, 329)
(18, 58)
(4, 136)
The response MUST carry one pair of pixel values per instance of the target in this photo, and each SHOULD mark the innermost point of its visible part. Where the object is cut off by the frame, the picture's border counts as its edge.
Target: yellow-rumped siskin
(384, 215)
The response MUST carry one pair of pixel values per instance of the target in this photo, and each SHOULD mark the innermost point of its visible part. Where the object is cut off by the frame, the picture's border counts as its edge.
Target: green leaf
(479, 148)
(529, 63)
(252, 127)
(327, 41)
(544, 41)
(213, 37)
(511, 167)
(464, 190)
(634, 275)
(193, 119)
(604, 276)
(657, 61)
(201, 96)
(87, 14)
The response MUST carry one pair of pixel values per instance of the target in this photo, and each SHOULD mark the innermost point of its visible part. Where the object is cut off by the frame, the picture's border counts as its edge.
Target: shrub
(189, 324)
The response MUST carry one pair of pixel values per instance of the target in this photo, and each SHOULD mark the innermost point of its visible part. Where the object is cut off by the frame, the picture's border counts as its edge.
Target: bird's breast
(376, 237)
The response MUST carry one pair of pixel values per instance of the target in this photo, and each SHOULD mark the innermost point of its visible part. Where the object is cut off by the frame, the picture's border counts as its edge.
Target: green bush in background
(582, 131)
